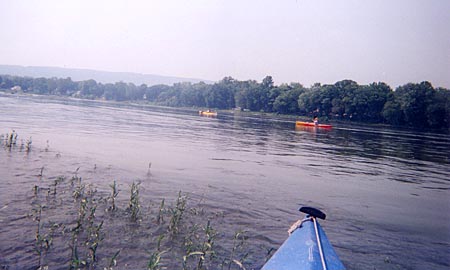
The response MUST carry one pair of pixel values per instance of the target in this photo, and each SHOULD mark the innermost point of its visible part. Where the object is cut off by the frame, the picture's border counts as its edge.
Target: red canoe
(311, 124)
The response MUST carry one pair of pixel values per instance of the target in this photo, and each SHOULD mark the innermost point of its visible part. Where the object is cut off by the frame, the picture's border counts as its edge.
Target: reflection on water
(379, 186)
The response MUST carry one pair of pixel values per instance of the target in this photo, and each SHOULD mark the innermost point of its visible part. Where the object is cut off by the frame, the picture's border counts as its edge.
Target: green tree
(40, 86)
(414, 100)
(438, 112)
(87, 89)
(152, 93)
(392, 112)
(66, 87)
(287, 101)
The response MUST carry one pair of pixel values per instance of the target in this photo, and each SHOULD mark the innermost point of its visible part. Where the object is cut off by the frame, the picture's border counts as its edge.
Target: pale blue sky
(306, 41)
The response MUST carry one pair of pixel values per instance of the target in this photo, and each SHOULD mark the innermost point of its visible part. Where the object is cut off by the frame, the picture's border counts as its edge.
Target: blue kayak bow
(306, 248)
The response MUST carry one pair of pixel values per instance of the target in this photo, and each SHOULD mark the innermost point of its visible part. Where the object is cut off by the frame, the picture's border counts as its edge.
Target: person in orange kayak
(316, 120)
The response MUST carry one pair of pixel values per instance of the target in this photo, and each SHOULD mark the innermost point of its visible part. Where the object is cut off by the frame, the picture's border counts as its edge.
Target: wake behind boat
(306, 248)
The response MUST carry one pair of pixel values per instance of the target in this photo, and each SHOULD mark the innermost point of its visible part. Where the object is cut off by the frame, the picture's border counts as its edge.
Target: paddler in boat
(316, 120)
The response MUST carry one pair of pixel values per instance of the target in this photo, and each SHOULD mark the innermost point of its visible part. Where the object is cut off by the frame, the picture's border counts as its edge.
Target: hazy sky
(306, 41)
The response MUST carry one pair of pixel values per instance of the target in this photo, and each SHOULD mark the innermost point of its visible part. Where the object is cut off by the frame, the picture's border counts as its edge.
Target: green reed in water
(160, 217)
(207, 247)
(114, 194)
(28, 145)
(177, 213)
(9, 141)
(134, 205)
(42, 241)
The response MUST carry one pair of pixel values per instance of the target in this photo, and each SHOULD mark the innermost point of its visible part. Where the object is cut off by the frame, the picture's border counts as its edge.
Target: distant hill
(97, 75)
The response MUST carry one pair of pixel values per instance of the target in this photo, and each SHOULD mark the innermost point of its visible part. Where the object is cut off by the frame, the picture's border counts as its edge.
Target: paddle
(313, 212)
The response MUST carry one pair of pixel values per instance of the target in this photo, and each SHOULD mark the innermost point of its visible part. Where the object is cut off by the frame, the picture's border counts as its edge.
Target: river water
(385, 191)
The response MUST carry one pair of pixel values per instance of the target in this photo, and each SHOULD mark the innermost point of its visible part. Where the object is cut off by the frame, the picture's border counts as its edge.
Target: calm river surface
(385, 191)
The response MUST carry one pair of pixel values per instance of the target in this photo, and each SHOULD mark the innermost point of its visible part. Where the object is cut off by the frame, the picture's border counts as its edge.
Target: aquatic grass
(200, 247)
(28, 145)
(41, 173)
(86, 235)
(149, 167)
(133, 204)
(79, 191)
(79, 188)
(38, 245)
(75, 179)
(239, 242)
(114, 194)
(35, 190)
(43, 241)
(95, 237)
(11, 139)
(191, 239)
(198, 243)
(208, 245)
(113, 260)
(160, 217)
(158, 242)
(57, 181)
(183, 235)
(177, 213)
(154, 261)
(81, 215)
(76, 262)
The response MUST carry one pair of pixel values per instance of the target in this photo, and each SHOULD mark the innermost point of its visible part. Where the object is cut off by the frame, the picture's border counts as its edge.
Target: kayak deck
(302, 250)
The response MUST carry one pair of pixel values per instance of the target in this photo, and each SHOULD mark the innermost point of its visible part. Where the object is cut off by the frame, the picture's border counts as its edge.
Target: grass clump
(177, 213)
(134, 205)
(114, 194)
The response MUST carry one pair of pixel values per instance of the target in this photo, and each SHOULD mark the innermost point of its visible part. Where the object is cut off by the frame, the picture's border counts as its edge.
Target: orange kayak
(206, 113)
(311, 124)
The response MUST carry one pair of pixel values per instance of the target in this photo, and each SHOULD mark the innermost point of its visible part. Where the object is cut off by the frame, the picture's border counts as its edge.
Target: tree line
(418, 105)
